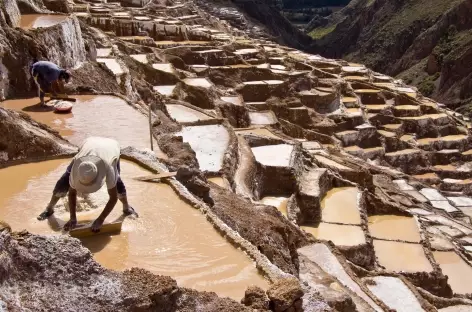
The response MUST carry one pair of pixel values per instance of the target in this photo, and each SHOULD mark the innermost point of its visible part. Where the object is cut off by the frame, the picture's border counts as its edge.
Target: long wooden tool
(153, 177)
(86, 229)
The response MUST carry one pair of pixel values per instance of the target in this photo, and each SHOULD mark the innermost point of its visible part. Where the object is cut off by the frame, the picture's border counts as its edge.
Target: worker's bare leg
(60, 190)
(120, 186)
(40, 92)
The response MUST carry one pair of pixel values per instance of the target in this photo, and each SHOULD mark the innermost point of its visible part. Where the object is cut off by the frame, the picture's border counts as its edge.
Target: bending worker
(48, 76)
(97, 160)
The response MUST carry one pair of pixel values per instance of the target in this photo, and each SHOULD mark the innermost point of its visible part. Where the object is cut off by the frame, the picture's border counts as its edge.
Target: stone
(255, 298)
(283, 294)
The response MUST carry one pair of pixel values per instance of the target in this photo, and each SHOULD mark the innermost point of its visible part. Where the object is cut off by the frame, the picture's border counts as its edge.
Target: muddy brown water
(92, 115)
(458, 271)
(278, 202)
(340, 235)
(340, 206)
(169, 238)
(392, 227)
(28, 21)
(397, 256)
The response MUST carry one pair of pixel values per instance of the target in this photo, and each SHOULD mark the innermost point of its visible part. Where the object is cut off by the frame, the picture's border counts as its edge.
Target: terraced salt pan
(28, 21)
(340, 235)
(198, 82)
(278, 202)
(279, 155)
(140, 58)
(236, 100)
(324, 258)
(390, 227)
(262, 118)
(92, 115)
(164, 90)
(257, 132)
(397, 257)
(104, 52)
(443, 205)
(458, 271)
(456, 137)
(112, 65)
(165, 67)
(209, 143)
(457, 308)
(220, 182)
(170, 237)
(340, 206)
(183, 113)
(394, 293)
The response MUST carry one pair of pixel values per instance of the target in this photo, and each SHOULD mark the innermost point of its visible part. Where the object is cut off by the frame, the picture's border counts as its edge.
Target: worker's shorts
(62, 185)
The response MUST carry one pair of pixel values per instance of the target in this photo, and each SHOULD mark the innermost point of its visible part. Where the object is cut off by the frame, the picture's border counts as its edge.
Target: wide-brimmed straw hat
(88, 174)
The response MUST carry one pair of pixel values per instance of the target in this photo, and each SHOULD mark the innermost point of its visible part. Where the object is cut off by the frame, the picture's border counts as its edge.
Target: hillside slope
(425, 42)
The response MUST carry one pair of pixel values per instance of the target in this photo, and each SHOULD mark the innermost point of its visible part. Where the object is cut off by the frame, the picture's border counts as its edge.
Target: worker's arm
(72, 207)
(113, 193)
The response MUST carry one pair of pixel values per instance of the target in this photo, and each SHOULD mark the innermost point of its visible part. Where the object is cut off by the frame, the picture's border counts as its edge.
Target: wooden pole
(150, 127)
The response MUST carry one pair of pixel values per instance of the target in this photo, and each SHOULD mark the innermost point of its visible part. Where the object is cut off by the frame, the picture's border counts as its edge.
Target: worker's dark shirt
(47, 71)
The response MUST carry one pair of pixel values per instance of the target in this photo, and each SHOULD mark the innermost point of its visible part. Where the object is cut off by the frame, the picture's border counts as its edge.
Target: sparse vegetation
(319, 33)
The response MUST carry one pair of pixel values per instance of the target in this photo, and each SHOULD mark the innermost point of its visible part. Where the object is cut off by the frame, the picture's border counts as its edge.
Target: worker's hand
(96, 225)
(71, 224)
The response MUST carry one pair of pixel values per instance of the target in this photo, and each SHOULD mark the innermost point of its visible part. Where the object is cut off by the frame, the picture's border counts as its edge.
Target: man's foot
(127, 211)
(45, 214)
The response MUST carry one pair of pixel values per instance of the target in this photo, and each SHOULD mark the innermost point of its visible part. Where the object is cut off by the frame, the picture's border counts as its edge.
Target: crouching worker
(48, 78)
(97, 161)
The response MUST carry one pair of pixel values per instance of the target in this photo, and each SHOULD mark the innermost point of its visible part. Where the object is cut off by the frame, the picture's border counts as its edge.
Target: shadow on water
(96, 243)
(38, 108)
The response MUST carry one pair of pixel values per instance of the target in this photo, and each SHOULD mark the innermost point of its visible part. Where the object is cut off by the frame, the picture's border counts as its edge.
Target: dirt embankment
(22, 138)
(426, 43)
(57, 273)
(271, 233)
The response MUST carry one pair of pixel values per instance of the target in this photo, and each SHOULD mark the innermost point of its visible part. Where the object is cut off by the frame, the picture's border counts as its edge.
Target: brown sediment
(163, 240)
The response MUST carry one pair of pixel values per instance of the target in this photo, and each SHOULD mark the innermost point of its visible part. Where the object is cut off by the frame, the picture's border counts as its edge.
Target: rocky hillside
(424, 42)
